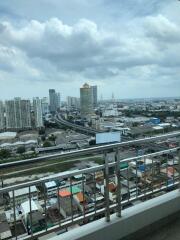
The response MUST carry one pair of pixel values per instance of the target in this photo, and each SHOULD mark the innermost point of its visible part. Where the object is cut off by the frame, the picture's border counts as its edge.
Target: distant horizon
(99, 99)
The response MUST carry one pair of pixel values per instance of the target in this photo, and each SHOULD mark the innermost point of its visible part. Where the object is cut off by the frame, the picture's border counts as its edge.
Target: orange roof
(64, 193)
(80, 197)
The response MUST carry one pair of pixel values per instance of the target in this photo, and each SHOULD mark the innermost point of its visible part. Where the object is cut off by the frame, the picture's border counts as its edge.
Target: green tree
(43, 138)
(21, 150)
(42, 131)
(46, 144)
(5, 153)
(33, 149)
(52, 138)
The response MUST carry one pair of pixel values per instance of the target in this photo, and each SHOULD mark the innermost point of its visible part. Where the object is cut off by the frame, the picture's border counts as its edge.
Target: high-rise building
(18, 114)
(86, 100)
(45, 105)
(54, 100)
(58, 100)
(10, 114)
(94, 89)
(2, 120)
(25, 109)
(38, 117)
(73, 102)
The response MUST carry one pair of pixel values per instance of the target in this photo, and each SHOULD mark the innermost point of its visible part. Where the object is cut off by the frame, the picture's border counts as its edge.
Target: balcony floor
(171, 231)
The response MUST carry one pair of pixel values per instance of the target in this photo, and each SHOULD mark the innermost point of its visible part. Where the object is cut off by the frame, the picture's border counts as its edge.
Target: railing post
(106, 187)
(14, 213)
(83, 190)
(71, 199)
(59, 206)
(94, 191)
(118, 182)
(179, 165)
(45, 203)
(30, 212)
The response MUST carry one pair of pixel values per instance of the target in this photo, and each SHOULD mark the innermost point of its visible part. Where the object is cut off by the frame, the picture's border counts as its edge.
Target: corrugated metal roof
(26, 206)
(64, 193)
(23, 191)
(74, 189)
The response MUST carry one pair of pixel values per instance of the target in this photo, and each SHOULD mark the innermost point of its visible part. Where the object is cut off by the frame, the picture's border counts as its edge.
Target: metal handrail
(115, 205)
(68, 174)
(98, 149)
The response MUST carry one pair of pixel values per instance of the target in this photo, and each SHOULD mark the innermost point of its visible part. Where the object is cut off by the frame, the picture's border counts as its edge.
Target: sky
(129, 48)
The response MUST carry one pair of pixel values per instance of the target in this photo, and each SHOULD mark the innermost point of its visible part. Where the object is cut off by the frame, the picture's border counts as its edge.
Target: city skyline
(125, 48)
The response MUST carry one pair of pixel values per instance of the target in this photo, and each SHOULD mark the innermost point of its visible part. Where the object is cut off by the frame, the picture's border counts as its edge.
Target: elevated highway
(89, 131)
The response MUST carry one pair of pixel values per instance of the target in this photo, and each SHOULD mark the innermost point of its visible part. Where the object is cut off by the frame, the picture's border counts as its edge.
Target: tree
(52, 138)
(92, 142)
(46, 144)
(33, 149)
(5, 153)
(42, 131)
(43, 138)
(21, 150)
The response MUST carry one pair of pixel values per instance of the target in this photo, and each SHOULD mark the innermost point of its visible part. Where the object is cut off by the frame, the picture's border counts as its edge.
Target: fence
(74, 197)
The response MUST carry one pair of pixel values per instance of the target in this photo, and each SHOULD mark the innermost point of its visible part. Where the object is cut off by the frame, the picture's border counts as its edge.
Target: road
(59, 120)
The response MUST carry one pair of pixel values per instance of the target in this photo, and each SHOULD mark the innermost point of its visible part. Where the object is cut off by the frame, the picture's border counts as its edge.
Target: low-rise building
(22, 194)
(67, 204)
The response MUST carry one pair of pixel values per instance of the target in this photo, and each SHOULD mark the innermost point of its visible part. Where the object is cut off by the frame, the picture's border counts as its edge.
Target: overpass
(89, 131)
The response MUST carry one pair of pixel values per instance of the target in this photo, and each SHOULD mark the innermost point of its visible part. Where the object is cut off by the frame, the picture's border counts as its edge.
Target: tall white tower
(18, 114)
(37, 106)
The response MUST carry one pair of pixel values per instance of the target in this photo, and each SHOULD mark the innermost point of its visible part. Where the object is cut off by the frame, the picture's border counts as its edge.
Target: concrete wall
(133, 219)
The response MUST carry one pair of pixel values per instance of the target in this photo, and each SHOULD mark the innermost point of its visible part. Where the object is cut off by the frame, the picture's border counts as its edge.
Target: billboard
(108, 137)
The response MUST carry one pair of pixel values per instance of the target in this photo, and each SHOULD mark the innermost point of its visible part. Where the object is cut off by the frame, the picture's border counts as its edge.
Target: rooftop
(64, 193)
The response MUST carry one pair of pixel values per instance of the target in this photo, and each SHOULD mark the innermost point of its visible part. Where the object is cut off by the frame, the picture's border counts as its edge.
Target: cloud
(142, 48)
(80, 48)
(162, 29)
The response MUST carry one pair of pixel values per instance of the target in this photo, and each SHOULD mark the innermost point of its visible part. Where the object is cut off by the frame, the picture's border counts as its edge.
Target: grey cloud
(50, 50)
(82, 47)
(162, 29)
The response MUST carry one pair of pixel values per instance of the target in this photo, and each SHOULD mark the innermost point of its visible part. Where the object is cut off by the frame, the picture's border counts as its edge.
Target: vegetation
(52, 138)
(21, 150)
(47, 144)
(43, 138)
(42, 131)
(4, 153)
(33, 149)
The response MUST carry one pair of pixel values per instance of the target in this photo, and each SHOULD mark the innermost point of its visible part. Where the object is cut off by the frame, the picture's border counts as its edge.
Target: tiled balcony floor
(168, 232)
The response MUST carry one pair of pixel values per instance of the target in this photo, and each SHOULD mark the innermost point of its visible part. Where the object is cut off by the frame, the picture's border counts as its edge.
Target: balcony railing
(54, 203)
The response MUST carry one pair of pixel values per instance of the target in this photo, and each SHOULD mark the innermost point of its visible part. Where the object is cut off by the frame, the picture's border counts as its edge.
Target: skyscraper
(86, 100)
(45, 105)
(18, 114)
(54, 100)
(94, 89)
(38, 113)
(58, 100)
(2, 122)
(25, 110)
(73, 102)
